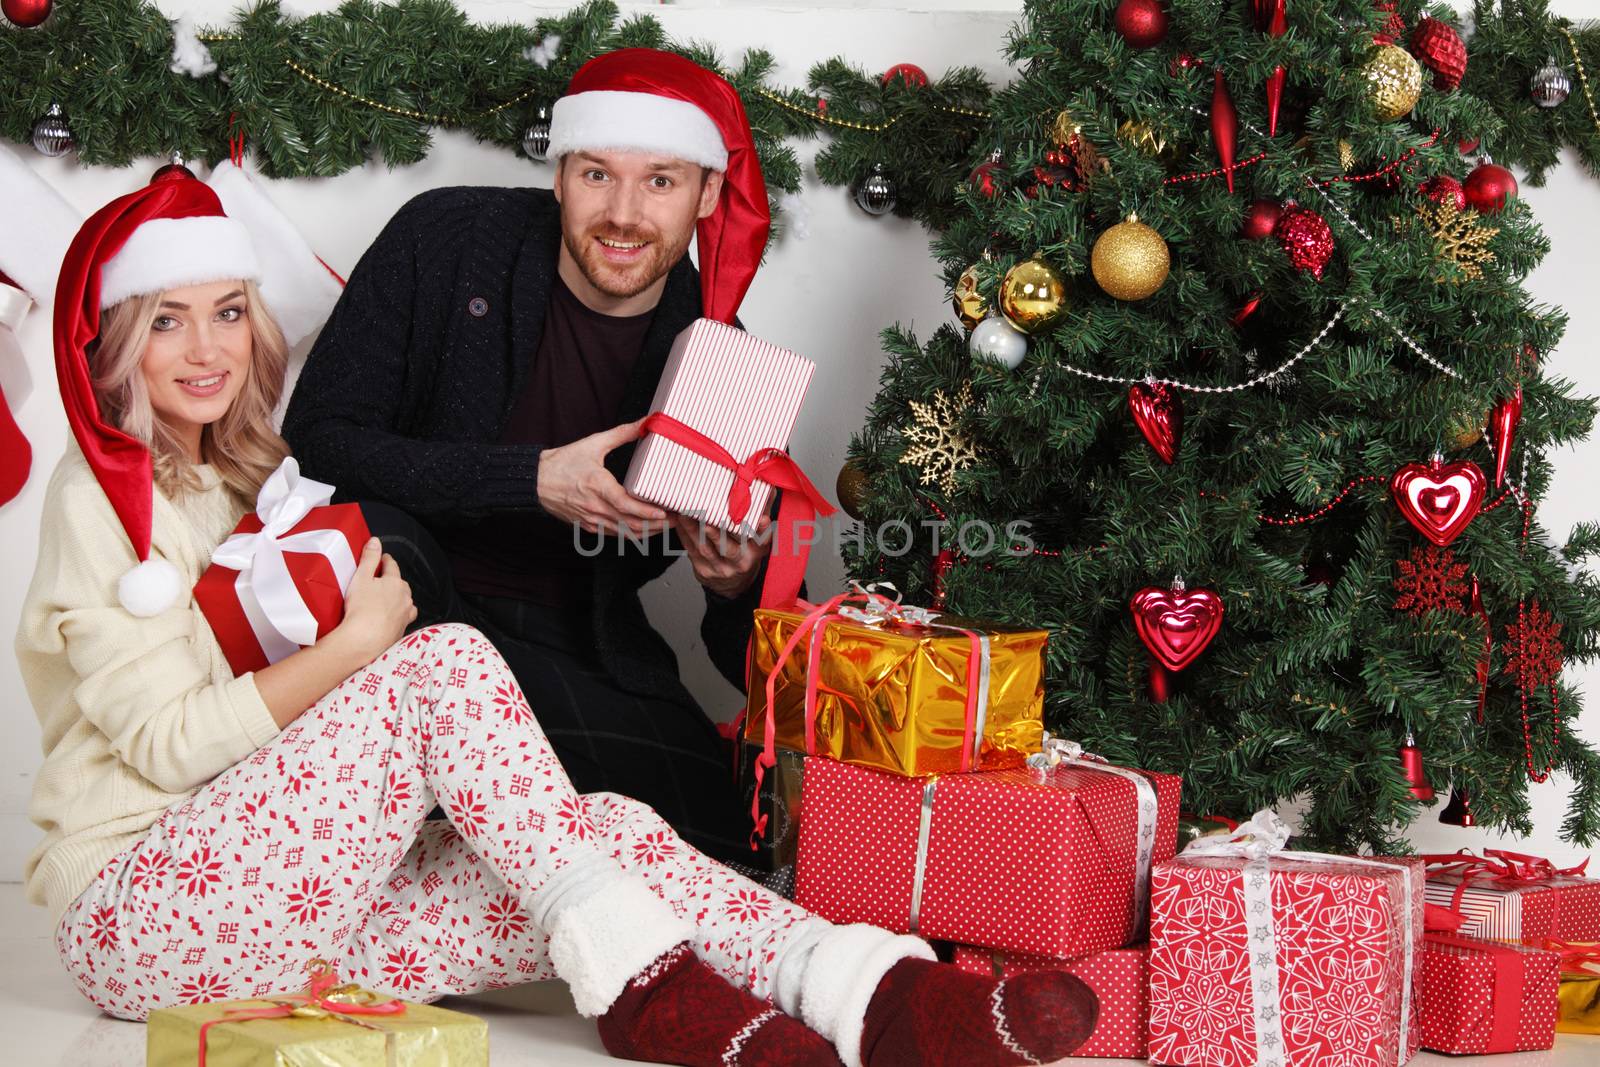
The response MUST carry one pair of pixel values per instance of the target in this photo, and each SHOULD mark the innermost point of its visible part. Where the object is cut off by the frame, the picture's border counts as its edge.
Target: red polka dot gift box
(1117, 976)
(1052, 860)
(1509, 896)
(1260, 956)
(1487, 996)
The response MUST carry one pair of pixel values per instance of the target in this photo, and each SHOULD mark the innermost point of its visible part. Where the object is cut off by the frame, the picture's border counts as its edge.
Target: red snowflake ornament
(1533, 648)
(1432, 580)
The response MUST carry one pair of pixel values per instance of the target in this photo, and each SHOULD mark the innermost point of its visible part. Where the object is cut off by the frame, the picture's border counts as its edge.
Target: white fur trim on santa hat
(167, 254)
(150, 588)
(841, 977)
(36, 227)
(298, 289)
(609, 120)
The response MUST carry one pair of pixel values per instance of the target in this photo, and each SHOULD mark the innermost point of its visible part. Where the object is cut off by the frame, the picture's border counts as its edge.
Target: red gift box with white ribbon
(1510, 896)
(1118, 977)
(1260, 956)
(1051, 858)
(278, 582)
(1487, 996)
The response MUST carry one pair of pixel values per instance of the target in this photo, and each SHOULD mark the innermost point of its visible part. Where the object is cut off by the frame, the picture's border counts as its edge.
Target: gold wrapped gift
(324, 1026)
(1580, 987)
(896, 688)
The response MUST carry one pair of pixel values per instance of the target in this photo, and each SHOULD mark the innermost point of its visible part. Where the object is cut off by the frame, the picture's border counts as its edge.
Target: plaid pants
(318, 845)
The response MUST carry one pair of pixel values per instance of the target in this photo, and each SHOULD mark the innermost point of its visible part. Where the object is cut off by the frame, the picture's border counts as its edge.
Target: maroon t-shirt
(574, 388)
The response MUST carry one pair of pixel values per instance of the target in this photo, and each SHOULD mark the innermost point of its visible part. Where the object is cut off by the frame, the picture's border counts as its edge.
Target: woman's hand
(377, 606)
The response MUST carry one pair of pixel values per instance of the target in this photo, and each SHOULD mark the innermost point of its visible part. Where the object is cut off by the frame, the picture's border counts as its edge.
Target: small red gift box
(278, 583)
(1293, 959)
(1508, 896)
(1118, 977)
(1030, 859)
(1487, 996)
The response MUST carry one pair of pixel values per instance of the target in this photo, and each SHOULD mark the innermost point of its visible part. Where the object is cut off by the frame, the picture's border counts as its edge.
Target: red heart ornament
(1176, 625)
(1158, 412)
(1504, 418)
(1440, 499)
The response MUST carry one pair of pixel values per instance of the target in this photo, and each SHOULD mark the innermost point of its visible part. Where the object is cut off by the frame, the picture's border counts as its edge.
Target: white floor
(45, 1023)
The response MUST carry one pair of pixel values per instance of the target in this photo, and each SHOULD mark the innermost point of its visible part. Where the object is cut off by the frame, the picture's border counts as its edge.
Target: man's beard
(630, 280)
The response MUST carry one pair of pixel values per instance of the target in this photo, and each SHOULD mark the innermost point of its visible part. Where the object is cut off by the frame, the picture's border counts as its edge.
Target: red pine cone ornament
(1394, 27)
(1439, 47)
(1443, 189)
(1306, 239)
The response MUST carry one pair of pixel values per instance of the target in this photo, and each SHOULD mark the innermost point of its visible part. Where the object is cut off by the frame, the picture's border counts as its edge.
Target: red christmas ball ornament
(1489, 188)
(1306, 239)
(26, 14)
(1184, 61)
(986, 178)
(1260, 219)
(1468, 145)
(1442, 189)
(1439, 47)
(911, 75)
(1142, 23)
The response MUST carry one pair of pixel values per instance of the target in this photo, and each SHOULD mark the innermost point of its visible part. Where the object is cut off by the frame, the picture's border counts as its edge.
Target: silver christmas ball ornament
(995, 338)
(1549, 85)
(536, 141)
(51, 134)
(875, 194)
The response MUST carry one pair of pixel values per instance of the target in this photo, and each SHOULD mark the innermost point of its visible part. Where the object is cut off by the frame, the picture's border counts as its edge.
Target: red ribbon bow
(1576, 958)
(1513, 870)
(319, 996)
(786, 568)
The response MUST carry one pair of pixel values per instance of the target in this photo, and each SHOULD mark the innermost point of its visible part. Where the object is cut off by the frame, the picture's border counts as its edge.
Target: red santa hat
(170, 234)
(644, 100)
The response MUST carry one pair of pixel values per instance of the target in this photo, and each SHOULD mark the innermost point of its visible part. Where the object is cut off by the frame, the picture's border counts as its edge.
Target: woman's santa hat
(644, 100)
(170, 234)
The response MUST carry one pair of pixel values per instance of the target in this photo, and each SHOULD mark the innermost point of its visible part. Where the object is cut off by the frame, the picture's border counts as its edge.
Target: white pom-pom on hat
(150, 588)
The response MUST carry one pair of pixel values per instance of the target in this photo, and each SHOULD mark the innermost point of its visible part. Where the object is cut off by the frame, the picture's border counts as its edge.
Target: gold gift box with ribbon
(869, 681)
(324, 1026)
(1580, 987)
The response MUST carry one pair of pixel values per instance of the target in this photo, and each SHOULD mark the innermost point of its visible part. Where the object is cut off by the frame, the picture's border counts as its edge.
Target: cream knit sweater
(136, 714)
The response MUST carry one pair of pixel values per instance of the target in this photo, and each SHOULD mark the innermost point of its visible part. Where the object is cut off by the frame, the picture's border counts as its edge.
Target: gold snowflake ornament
(1461, 237)
(934, 444)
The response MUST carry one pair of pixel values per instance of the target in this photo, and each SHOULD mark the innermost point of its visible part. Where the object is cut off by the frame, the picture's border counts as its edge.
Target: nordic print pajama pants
(317, 845)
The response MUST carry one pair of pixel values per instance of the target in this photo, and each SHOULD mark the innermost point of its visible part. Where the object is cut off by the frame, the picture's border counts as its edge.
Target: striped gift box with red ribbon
(740, 391)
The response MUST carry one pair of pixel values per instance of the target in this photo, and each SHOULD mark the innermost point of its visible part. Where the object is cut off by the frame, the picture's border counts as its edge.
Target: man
(484, 374)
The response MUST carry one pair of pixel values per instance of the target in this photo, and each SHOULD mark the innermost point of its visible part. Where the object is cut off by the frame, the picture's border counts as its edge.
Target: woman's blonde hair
(242, 445)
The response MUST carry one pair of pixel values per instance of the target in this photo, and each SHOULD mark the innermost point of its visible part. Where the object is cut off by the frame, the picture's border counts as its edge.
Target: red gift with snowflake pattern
(1510, 896)
(1044, 858)
(1283, 959)
(1117, 976)
(1487, 996)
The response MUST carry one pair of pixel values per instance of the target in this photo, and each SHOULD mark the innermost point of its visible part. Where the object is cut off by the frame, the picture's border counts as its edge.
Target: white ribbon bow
(278, 614)
(1263, 835)
(881, 610)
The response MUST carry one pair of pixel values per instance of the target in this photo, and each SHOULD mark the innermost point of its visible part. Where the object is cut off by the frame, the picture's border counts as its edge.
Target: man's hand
(575, 486)
(723, 562)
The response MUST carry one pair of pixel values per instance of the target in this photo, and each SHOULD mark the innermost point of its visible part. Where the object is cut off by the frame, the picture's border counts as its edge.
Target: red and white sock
(927, 1014)
(678, 1010)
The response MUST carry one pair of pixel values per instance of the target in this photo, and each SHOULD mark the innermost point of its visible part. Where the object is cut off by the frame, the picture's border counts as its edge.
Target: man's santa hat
(170, 234)
(643, 100)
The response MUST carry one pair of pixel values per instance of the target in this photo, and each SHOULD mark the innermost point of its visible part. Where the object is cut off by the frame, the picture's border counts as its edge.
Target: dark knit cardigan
(405, 392)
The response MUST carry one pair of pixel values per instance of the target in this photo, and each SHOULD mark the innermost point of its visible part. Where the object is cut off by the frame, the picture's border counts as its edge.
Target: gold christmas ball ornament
(1465, 429)
(1033, 295)
(1141, 136)
(851, 489)
(1064, 128)
(1394, 82)
(1130, 261)
(971, 307)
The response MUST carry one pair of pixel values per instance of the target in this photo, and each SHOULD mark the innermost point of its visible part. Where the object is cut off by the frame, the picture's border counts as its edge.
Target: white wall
(826, 296)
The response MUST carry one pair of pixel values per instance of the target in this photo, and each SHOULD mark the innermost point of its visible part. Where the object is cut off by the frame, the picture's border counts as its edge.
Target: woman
(207, 835)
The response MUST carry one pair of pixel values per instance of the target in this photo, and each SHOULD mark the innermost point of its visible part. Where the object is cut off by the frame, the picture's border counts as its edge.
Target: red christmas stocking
(927, 1014)
(15, 455)
(678, 1010)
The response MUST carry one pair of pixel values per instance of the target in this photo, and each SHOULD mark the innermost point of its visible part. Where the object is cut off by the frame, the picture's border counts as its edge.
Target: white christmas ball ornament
(995, 338)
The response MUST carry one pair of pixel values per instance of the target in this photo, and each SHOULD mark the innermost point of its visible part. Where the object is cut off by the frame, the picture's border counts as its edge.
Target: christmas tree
(1249, 389)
